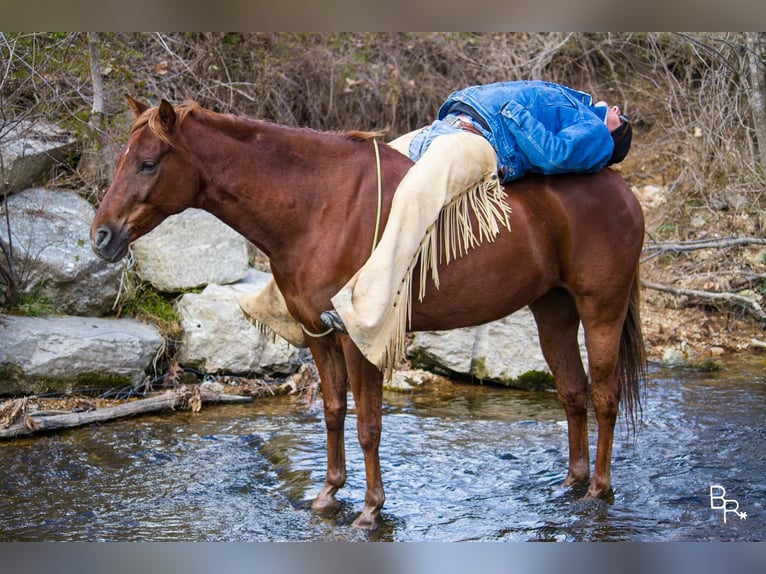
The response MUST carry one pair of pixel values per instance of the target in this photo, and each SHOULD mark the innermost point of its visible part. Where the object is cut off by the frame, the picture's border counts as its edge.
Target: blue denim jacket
(534, 126)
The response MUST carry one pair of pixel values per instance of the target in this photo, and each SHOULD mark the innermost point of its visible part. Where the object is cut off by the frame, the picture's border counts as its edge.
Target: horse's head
(155, 178)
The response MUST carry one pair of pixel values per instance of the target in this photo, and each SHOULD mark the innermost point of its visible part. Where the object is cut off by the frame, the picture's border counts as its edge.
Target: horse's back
(582, 233)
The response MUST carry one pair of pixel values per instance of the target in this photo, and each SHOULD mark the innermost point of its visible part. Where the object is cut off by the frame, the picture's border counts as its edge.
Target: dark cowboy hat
(622, 138)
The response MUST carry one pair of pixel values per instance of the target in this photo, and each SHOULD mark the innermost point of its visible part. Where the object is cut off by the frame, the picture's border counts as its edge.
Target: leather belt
(463, 122)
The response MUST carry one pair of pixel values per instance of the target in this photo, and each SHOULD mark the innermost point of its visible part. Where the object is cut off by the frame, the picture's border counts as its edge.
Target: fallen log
(185, 397)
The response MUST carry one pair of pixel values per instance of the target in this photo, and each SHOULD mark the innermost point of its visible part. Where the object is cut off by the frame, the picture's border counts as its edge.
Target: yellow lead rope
(380, 195)
(377, 228)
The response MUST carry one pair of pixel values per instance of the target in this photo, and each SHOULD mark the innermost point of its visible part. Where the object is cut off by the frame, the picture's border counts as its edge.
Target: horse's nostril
(103, 237)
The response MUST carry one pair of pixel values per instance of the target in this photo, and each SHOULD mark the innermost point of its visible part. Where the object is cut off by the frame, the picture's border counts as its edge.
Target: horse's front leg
(332, 376)
(367, 385)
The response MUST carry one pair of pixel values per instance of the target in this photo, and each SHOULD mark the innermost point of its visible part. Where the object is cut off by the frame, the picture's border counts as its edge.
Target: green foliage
(33, 304)
(148, 304)
(709, 366)
(535, 381)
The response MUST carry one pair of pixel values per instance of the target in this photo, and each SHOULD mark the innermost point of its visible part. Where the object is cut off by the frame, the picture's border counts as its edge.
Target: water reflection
(463, 463)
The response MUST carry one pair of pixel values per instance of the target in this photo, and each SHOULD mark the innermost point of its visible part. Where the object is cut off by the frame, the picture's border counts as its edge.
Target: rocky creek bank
(66, 335)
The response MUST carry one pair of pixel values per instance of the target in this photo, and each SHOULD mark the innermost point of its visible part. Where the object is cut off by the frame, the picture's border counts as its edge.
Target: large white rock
(30, 150)
(38, 354)
(502, 351)
(50, 232)
(219, 338)
(506, 349)
(191, 249)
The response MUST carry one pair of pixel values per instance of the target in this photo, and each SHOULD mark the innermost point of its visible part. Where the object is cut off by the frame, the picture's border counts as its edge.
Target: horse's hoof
(599, 493)
(573, 480)
(325, 505)
(366, 520)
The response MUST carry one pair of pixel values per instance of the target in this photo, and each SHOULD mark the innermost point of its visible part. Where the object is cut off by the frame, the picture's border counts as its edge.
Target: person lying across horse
(484, 136)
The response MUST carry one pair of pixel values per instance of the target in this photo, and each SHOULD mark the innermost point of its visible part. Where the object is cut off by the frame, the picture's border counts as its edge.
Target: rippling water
(465, 462)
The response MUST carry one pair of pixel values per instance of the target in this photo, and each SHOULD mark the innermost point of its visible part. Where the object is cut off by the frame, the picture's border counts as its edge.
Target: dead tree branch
(748, 303)
(711, 296)
(658, 248)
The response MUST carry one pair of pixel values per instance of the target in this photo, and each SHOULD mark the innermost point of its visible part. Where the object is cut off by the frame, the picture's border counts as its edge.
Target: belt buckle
(453, 120)
(465, 121)
(462, 122)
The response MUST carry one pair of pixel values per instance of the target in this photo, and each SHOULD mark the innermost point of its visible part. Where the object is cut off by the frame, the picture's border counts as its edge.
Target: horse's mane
(151, 118)
(357, 135)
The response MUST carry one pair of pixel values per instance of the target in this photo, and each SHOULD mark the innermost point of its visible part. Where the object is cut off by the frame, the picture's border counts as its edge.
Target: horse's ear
(167, 116)
(137, 107)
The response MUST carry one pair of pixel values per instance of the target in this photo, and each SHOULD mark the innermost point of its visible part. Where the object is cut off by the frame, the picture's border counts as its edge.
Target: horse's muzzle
(109, 245)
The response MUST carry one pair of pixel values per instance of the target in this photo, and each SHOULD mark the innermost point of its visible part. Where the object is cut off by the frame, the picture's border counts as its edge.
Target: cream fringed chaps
(430, 219)
(455, 236)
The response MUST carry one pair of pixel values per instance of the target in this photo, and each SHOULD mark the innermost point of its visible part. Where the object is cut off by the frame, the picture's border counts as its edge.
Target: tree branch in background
(658, 248)
(748, 303)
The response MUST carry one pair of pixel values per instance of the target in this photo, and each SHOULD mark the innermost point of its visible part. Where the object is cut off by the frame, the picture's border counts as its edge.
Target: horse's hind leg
(367, 385)
(332, 375)
(603, 328)
(557, 323)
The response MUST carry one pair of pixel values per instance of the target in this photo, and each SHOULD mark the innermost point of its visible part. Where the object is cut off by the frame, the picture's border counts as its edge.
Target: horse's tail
(632, 359)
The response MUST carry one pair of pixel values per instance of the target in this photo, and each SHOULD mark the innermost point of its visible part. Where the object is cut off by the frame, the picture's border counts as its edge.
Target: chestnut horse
(309, 201)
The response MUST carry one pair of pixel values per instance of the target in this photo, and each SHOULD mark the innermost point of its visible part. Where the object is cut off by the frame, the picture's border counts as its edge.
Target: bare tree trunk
(756, 52)
(97, 111)
(96, 163)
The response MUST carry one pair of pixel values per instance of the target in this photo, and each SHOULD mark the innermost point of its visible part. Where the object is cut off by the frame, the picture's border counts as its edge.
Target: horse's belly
(468, 297)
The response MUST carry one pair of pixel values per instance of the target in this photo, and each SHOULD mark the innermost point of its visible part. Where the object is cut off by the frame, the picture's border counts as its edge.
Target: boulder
(505, 352)
(30, 150)
(43, 354)
(51, 246)
(191, 249)
(409, 380)
(219, 338)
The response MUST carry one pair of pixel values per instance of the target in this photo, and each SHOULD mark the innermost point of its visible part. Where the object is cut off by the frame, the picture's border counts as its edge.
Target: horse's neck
(251, 180)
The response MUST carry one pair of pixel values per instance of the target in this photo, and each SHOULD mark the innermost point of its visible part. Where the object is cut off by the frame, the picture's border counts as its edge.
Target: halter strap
(377, 228)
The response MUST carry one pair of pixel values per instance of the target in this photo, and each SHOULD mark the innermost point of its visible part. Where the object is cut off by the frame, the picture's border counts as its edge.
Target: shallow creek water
(464, 462)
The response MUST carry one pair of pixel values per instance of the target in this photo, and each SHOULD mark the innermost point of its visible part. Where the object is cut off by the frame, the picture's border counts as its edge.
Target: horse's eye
(148, 166)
